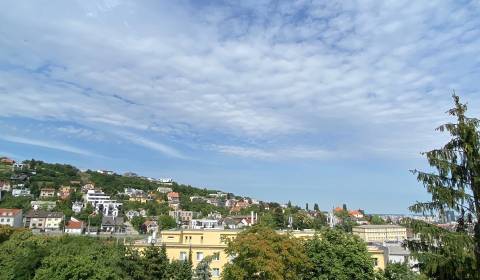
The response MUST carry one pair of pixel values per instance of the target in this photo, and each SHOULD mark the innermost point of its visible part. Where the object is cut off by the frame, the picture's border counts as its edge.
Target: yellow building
(212, 242)
(380, 233)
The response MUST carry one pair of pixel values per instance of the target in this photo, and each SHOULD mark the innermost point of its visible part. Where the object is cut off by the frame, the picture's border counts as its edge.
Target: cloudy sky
(308, 101)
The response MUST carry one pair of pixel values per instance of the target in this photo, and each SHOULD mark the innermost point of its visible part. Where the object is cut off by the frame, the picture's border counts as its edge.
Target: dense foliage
(26, 256)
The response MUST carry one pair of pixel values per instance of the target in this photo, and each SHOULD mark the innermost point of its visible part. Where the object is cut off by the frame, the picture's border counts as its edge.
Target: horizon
(326, 103)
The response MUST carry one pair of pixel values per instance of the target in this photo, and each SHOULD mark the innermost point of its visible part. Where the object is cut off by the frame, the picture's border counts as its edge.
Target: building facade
(213, 242)
(380, 233)
(11, 217)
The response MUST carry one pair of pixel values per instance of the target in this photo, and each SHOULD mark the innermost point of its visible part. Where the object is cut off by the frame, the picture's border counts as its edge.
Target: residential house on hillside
(239, 205)
(19, 166)
(106, 172)
(6, 160)
(142, 198)
(87, 187)
(149, 226)
(204, 223)
(43, 205)
(131, 214)
(5, 186)
(11, 217)
(44, 220)
(133, 192)
(112, 224)
(47, 192)
(173, 197)
(102, 203)
(358, 214)
(164, 189)
(77, 207)
(75, 226)
(19, 178)
(21, 192)
(182, 217)
(165, 181)
(65, 192)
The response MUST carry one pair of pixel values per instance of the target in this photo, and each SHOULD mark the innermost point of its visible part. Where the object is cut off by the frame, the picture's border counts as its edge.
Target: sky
(324, 102)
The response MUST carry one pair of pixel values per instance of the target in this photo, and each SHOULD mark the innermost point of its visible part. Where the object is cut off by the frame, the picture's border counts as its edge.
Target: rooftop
(9, 212)
(378, 226)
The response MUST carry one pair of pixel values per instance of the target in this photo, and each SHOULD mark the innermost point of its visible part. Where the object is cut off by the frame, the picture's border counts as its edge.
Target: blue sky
(308, 101)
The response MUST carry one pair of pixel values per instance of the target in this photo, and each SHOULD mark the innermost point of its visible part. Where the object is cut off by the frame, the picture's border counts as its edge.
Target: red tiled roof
(9, 212)
(173, 194)
(74, 224)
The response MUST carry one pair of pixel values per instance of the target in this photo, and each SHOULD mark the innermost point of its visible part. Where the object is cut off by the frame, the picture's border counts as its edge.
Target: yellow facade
(203, 243)
(380, 233)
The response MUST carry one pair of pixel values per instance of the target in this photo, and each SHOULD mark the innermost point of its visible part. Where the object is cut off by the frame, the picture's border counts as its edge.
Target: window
(199, 256)
(215, 272)
(183, 256)
(375, 261)
(216, 256)
(1, 220)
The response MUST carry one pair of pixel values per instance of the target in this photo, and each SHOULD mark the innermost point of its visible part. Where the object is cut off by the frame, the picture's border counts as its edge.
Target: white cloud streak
(47, 144)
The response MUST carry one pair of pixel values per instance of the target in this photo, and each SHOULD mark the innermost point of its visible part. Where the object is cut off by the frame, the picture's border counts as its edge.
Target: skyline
(329, 103)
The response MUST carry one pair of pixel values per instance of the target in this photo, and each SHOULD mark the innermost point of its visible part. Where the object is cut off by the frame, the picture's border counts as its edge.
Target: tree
(338, 255)
(306, 206)
(315, 207)
(401, 271)
(454, 185)
(261, 254)
(137, 223)
(166, 222)
(155, 262)
(202, 271)
(180, 270)
(377, 220)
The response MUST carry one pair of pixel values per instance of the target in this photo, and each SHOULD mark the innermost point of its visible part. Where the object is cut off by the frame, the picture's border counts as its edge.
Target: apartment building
(212, 242)
(380, 233)
(11, 217)
(102, 203)
(47, 193)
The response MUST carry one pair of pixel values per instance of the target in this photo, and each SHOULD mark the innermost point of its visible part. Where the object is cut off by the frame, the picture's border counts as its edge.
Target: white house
(74, 226)
(21, 192)
(102, 203)
(5, 186)
(43, 204)
(204, 224)
(11, 217)
(77, 207)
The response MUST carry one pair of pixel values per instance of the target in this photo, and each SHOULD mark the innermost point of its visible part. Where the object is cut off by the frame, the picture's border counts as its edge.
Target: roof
(397, 250)
(109, 220)
(150, 223)
(43, 214)
(173, 194)
(379, 226)
(9, 212)
(47, 190)
(75, 224)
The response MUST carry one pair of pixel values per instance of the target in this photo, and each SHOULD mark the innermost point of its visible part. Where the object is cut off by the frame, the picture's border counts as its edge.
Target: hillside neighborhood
(57, 199)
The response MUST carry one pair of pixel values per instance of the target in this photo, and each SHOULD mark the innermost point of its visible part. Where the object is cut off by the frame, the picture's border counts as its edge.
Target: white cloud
(153, 145)
(277, 154)
(48, 145)
(246, 71)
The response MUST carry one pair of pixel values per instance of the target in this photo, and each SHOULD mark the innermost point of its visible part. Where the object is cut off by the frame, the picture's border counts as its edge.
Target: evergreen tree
(202, 271)
(315, 207)
(155, 262)
(306, 206)
(454, 185)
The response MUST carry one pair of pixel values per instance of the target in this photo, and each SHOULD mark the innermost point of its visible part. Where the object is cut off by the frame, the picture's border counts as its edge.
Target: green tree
(261, 253)
(155, 262)
(401, 271)
(337, 255)
(454, 184)
(377, 220)
(315, 207)
(137, 223)
(180, 270)
(202, 271)
(166, 222)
